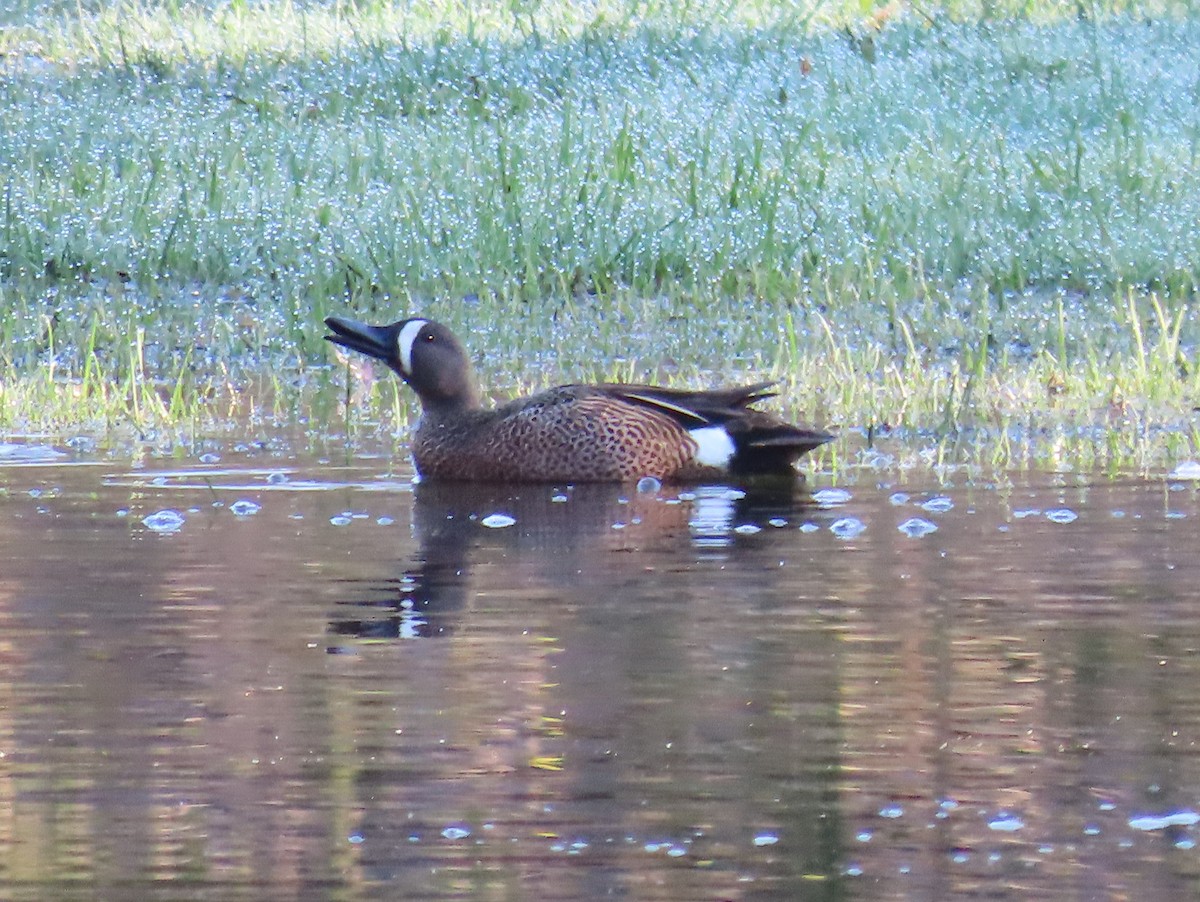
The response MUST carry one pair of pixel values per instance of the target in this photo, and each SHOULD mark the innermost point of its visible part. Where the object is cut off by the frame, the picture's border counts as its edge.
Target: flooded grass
(971, 223)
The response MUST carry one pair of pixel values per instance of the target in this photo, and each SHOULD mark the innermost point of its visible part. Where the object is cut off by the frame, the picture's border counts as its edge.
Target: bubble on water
(938, 504)
(1062, 515)
(356, 838)
(559, 498)
(808, 526)
(848, 528)
(1027, 512)
(891, 811)
(648, 485)
(277, 478)
(747, 529)
(457, 831)
(340, 520)
(14, 453)
(497, 521)
(210, 458)
(164, 521)
(827, 497)
(777, 522)
(384, 521)
(1188, 469)
(916, 527)
(81, 444)
(1182, 818)
(898, 498)
(864, 835)
(245, 508)
(1006, 823)
(766, 838)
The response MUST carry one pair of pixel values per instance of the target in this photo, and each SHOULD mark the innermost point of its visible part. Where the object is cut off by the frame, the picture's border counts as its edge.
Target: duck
(606, 432)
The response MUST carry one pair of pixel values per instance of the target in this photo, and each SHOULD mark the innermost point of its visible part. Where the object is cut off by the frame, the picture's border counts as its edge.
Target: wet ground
(263, 674)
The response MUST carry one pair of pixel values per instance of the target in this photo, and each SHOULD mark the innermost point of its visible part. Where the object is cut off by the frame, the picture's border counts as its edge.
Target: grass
(973, 224)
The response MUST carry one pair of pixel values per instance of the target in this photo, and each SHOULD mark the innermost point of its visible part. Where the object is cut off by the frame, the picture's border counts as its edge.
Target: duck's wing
(691, 408)
(763, 442)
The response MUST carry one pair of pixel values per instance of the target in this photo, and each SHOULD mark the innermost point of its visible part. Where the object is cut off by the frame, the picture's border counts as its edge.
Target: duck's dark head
(423, 353)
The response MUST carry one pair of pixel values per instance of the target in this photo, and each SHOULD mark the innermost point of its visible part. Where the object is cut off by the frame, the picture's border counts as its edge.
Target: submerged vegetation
(971, 222)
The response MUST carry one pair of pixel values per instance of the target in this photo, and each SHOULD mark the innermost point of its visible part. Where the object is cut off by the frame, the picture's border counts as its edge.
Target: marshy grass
(971, 224)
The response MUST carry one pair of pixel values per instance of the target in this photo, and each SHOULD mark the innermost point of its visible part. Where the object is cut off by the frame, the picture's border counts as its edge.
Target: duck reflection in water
(569, 536)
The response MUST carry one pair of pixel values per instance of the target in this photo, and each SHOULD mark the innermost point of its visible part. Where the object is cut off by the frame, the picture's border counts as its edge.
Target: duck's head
(423, 353)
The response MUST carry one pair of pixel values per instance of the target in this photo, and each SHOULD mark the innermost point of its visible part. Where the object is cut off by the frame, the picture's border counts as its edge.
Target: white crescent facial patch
(405, 341)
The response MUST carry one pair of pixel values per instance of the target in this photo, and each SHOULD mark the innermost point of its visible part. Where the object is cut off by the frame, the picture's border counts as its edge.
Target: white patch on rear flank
(405, 341)
(714, 447)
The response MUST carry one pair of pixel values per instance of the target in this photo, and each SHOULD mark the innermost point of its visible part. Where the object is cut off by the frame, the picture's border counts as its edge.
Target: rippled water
(276, 676)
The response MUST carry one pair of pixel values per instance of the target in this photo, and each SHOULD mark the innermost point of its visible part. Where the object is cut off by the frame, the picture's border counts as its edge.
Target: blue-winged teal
(574, 433)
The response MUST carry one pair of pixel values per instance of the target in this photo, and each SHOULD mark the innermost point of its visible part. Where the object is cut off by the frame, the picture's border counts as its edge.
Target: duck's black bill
(374, 341)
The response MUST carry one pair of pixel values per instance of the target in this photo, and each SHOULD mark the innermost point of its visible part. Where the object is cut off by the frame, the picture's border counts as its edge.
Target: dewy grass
(942, 220)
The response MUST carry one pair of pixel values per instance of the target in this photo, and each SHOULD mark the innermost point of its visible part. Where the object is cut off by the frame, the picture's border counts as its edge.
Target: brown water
(358, 689)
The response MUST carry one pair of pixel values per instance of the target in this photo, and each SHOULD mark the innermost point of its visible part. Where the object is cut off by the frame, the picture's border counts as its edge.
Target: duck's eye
(429, 336)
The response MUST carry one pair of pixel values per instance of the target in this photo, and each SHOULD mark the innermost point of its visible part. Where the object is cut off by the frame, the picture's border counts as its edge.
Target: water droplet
(827, 497)
(340, 520)
(165, 521)
(848, 527)
(916, 527)
(385, 521)
(891, 811)
(1006, 823)
(1188, 469)
(778, 522)
(355, 838)
(747, 529)
(245, 508)
(277, 478)
(898, 498)
(766, 839)
(1062, 515)
(938, 504)
(457, 831)
(497, 521)
(559, 498)
(210, 458)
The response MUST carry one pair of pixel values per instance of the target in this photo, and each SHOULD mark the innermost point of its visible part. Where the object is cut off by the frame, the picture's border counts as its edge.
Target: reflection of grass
(947, 221)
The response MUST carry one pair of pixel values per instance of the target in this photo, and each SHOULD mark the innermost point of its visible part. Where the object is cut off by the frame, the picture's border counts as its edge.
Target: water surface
(269, 674)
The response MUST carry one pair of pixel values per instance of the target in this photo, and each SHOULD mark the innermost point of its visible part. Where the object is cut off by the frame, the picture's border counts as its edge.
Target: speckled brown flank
(568, 434)
(574, 433)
